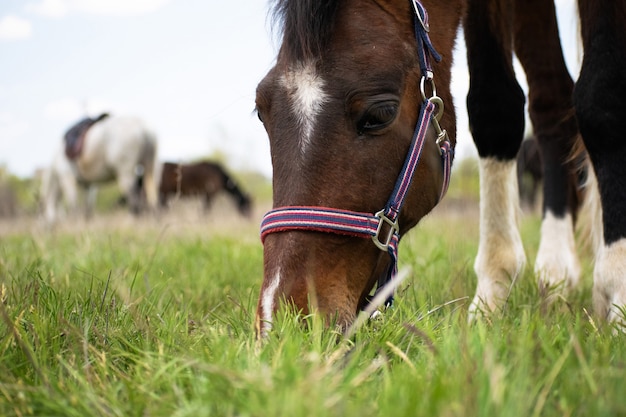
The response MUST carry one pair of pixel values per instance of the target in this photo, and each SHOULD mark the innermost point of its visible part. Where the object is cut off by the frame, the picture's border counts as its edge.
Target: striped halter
(382, 227)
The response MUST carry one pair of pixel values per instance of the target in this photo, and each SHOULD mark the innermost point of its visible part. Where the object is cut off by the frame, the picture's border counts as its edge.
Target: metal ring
(432, 87)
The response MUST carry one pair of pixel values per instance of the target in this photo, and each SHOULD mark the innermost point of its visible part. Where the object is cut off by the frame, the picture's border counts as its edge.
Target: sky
(189, 68)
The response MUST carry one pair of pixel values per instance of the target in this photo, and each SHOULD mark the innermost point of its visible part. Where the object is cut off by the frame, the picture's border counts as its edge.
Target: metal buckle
(393, 229)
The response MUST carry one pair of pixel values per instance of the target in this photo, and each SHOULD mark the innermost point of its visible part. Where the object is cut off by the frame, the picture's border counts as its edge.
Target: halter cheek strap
(382, 227)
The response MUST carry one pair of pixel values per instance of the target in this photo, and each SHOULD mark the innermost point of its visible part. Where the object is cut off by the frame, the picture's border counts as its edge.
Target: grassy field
(153, 317)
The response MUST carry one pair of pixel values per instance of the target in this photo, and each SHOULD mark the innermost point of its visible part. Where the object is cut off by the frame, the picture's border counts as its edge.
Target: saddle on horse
(75, 136)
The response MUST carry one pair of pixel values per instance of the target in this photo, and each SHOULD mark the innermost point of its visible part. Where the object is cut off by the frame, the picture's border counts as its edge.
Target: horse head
(340, 108)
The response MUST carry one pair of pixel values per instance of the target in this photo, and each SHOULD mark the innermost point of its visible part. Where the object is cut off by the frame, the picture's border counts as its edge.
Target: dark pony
(201, 179)
(529, 171)
(358, 86)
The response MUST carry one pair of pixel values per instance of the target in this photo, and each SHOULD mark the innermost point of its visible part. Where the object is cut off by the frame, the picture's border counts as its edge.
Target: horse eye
(258, 114)
(377, 117)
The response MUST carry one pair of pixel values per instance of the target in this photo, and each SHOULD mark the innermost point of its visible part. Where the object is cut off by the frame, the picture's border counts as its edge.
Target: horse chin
(333, 289)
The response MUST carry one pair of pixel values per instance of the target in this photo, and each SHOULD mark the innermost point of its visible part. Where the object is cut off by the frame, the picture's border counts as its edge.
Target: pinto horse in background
(347, 102)
(117, 148)
(203, 179)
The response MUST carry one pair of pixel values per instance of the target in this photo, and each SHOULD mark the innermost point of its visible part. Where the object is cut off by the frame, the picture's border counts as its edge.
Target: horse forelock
(306, 27)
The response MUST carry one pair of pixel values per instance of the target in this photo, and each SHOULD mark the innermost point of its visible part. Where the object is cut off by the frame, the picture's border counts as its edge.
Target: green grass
(155, 320)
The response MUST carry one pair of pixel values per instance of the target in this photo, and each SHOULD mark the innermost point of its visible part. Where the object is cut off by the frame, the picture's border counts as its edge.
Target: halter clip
(393, 229)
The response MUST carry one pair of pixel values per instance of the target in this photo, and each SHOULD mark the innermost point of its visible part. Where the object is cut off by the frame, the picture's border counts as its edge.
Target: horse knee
(497, 128)
(495, 102)
(599, 103)
(601, 123)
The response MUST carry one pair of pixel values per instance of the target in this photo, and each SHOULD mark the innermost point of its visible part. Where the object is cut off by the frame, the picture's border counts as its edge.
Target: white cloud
(13, 28)
(119, 8)
(49, 8)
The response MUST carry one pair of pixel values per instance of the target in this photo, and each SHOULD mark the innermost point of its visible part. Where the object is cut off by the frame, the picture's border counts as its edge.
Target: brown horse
(200, 179)
(347, 102)
(530, 172)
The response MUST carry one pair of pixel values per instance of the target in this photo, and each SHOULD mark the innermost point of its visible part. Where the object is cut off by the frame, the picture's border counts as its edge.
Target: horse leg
(600, 109)
(148, 162)
(538, 48)
(523, 190)
(149, 183)
(162, 199)
(69, 189)
(496, 113)
(51, 195)
(90, 202)
(208, 200)
(127, 184)
(532, 195)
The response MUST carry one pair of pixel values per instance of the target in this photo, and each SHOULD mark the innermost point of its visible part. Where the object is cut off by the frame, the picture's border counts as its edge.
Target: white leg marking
(501, 255)
(267, 303)
(557, 262)
(609, 287)
(306, 89)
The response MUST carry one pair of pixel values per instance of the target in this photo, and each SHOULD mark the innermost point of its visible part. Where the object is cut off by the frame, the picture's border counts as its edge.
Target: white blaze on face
(306, 91)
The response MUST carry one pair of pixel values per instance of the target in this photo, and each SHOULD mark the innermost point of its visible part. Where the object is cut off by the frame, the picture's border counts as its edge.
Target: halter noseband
(382, 227)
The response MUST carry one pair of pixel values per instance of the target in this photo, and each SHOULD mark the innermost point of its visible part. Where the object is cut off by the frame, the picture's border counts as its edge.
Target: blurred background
(189, 68)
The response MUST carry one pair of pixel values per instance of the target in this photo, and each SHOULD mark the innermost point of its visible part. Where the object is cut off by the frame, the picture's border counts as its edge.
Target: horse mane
(306, 26)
